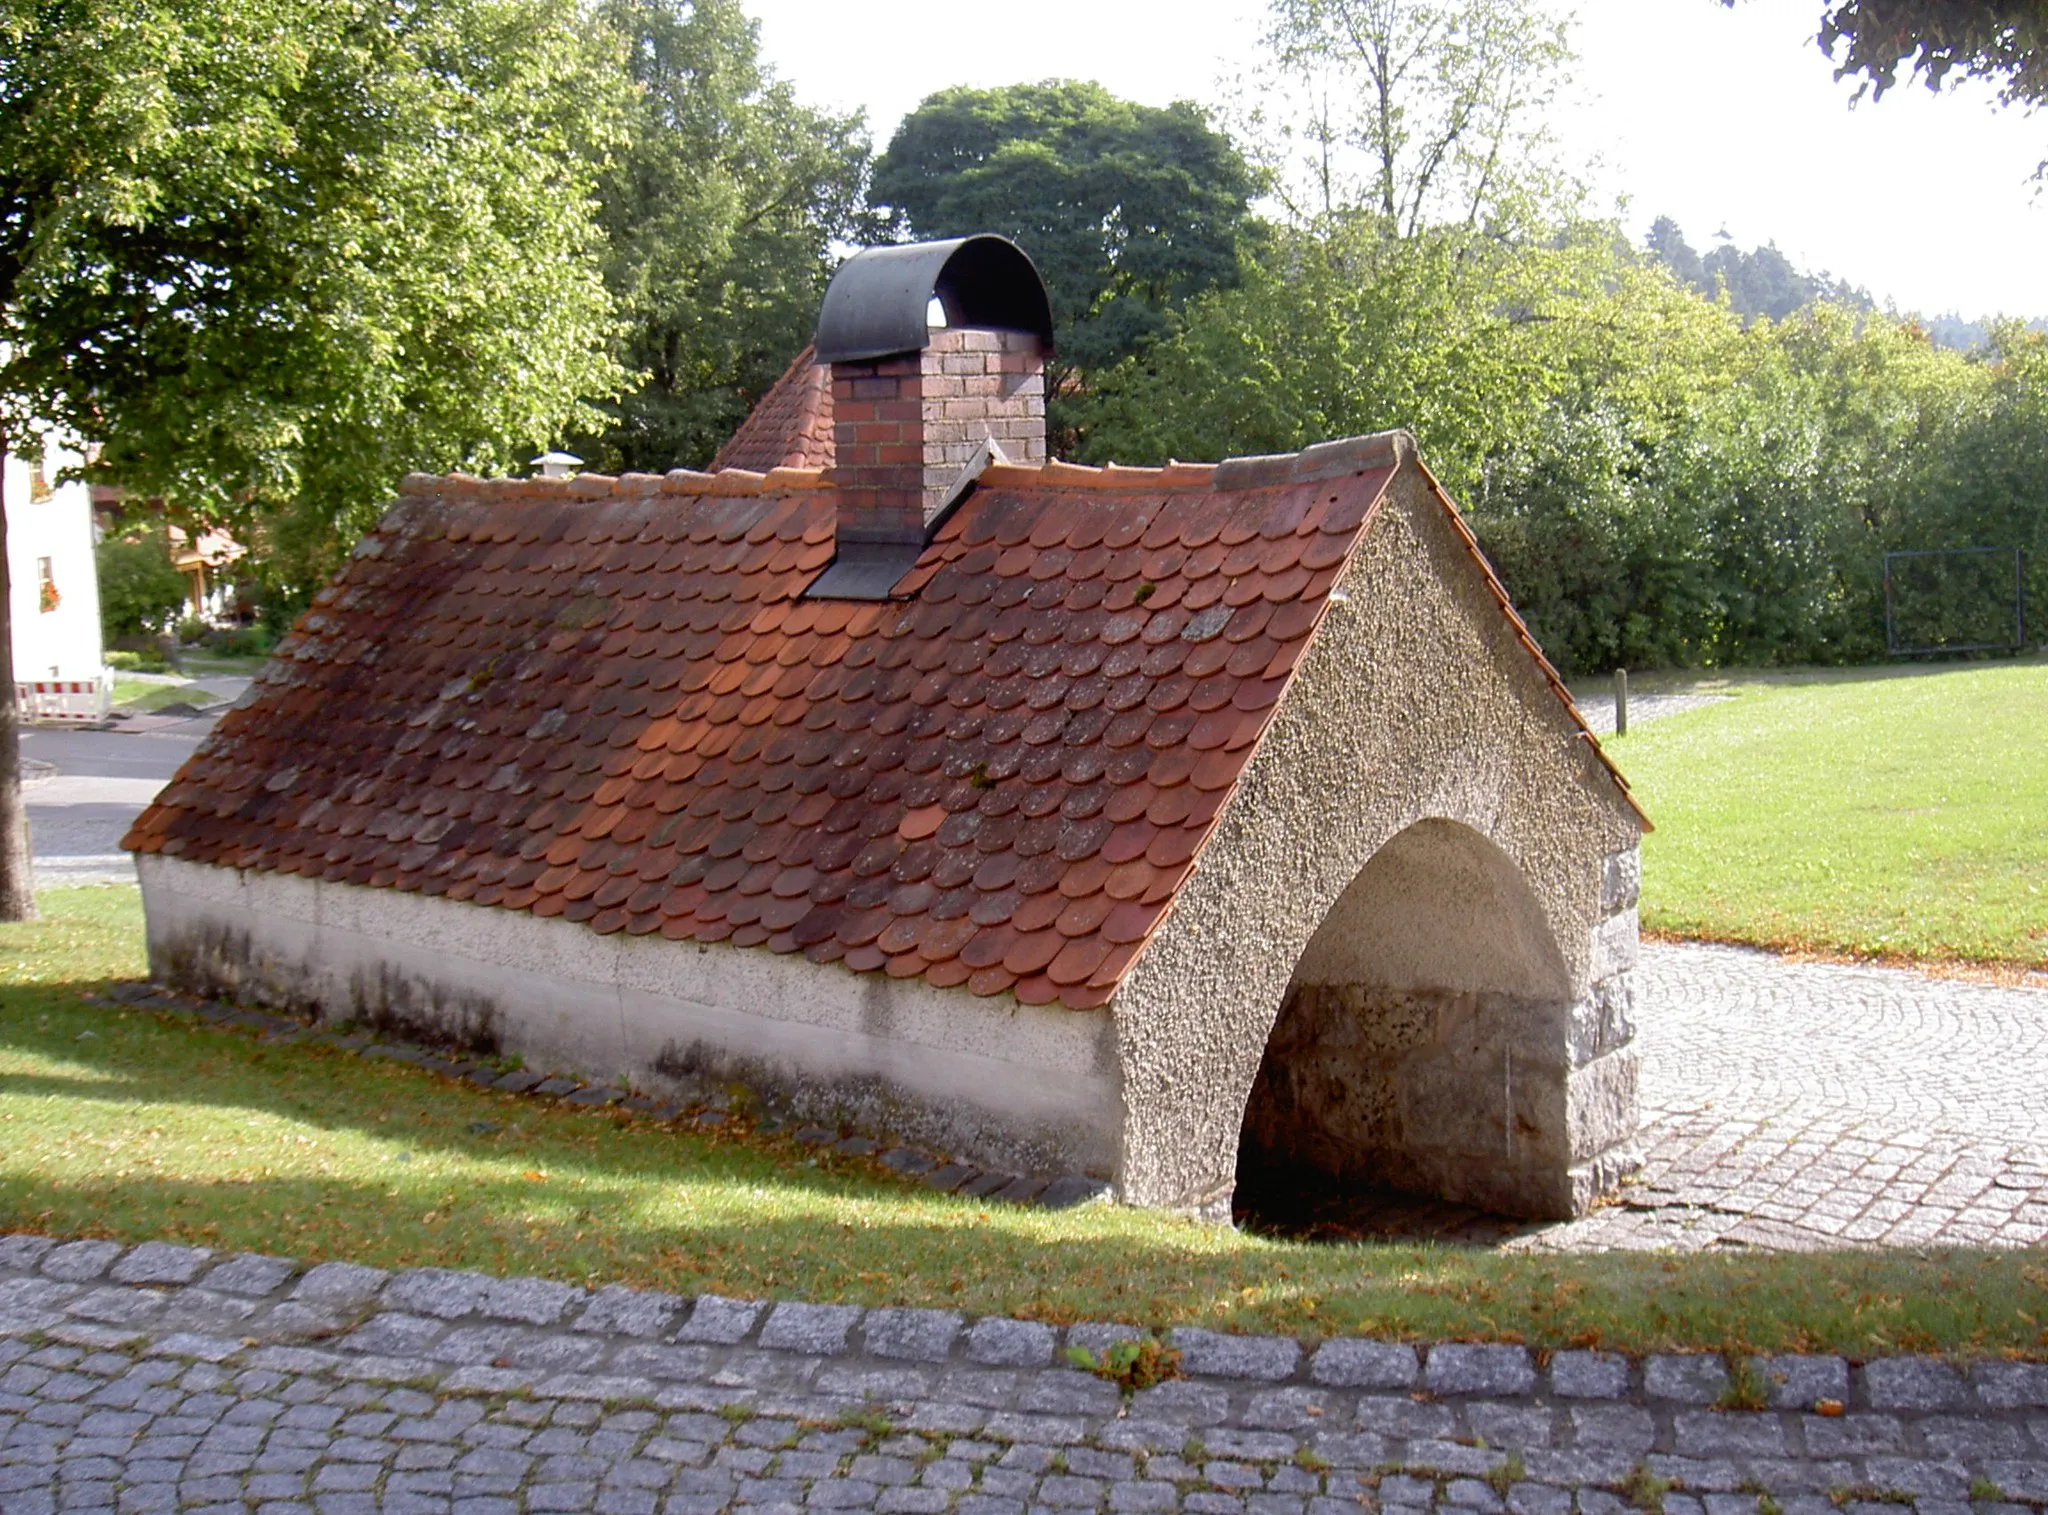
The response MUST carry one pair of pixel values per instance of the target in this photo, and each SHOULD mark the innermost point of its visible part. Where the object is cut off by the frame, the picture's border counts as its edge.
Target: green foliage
(1424, 113)
(1659, 482)
(719, 216)
(274, 255)
(1131, 1365)
(2004, 40)
(139, 589)
(1128, 210)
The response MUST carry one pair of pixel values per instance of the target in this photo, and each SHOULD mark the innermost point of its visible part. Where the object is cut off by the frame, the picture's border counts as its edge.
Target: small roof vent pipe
(557, 465)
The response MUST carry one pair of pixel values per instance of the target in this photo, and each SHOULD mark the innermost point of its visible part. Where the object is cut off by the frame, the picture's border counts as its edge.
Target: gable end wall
(1416, 701)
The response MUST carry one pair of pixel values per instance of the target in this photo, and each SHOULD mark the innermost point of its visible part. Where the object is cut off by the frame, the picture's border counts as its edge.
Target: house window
(39, 481)
(47, 598)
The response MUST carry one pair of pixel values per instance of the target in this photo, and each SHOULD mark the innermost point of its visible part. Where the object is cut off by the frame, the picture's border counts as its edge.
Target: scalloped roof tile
(604, 699)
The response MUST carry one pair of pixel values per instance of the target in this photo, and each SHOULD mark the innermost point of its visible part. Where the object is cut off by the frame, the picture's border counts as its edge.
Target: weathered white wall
(989, 1079)
(63, 643)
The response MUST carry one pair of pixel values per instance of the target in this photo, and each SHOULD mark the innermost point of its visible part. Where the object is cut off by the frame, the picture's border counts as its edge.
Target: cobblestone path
(1801, 1105)
(162, 1378)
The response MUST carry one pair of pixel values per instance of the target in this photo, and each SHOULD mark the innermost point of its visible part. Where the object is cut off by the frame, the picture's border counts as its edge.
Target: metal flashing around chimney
(868, 562)
(879, 301)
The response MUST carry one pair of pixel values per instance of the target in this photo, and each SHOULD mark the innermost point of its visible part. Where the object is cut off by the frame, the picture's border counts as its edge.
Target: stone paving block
(1215, 1354)
(916, 1335)
(618, 1310)
(1588, 1375)
(1624, 1428)
(1001, 1343)
(340, 1285)
(1852, 1435)
(1914, 1383)
(21, 1252)
(1356, 1364)
(816, 1329)
(714, 1318)
(156, 1262)
(252, 1274)
(1797, 1383)
(1468, 1369)
(80, 1261)
(2011, 1385)
(440, 1292)
(1694, 1378)
(535, 1301)
(1706, 1433)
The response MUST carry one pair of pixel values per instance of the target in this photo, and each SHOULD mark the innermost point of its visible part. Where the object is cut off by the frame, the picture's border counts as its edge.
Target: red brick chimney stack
(905, 426)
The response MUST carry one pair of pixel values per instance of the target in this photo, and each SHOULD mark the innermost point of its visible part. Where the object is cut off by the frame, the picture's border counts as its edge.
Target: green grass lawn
(140, 696)
(128, 1124)
(1878, 812)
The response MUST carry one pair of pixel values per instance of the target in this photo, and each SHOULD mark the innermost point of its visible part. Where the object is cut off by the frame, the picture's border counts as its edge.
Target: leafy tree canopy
(1416, 112)
(719, 216)
(271, 255)
(1128, 210)
(2005, 41)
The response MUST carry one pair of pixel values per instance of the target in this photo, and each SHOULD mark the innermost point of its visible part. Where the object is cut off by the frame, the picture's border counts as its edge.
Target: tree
(272, 255)
(2004, 41)
(1415, 111)
(1128, 210)
(139, 589)
(720, 215)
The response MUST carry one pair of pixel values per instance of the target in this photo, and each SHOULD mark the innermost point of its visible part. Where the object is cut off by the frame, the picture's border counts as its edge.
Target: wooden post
(1621, 702)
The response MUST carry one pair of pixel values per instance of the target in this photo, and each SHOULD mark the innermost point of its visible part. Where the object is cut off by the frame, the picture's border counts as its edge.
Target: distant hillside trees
(1760, 282)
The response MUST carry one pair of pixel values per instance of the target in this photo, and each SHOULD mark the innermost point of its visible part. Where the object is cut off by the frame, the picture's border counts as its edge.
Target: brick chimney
(904, 427)
(937, 350)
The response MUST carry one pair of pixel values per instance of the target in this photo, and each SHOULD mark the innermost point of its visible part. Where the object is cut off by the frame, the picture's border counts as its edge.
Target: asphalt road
(103, 779)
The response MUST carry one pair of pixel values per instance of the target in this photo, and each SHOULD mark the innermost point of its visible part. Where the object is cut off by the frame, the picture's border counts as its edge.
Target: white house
(58, 669)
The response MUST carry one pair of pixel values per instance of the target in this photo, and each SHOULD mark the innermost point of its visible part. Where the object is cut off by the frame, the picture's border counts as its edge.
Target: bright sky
(1721, 119)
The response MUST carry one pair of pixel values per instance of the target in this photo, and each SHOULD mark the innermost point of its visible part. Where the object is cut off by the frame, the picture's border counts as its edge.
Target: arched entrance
(1422, 1043)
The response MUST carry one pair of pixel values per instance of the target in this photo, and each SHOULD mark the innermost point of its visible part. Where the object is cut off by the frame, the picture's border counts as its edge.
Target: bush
(139, 589)
(192, 631)
(242, 642)
(126, 660)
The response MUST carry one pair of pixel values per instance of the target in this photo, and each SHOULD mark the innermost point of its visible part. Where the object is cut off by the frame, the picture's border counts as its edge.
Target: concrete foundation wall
(991, 1080)
(1415, 704)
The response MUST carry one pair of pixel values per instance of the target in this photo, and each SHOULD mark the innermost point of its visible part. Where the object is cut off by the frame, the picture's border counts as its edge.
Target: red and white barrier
(71, 701)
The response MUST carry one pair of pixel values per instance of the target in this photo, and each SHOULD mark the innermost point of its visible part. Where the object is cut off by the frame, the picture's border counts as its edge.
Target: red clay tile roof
(604, 700)
(792, 425)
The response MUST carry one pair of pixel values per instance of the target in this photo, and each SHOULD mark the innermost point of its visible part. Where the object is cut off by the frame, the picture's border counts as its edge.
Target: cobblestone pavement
(1806, 1105)
(161, 1378)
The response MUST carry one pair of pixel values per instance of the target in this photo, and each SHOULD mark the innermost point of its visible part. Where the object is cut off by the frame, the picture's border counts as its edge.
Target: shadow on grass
(152, 1128)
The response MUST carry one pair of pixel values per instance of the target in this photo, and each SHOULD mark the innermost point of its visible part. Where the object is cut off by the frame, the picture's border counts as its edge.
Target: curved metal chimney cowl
(877, 303)
(919, 409)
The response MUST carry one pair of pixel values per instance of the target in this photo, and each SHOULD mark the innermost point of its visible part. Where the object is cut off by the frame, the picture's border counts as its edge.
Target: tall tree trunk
(17, 882)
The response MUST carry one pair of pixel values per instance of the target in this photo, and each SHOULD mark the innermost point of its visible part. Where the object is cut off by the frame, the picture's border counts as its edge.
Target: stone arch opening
(1421, 1045)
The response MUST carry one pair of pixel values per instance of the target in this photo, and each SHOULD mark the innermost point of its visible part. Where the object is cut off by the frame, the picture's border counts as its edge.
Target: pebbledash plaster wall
(1414, 704)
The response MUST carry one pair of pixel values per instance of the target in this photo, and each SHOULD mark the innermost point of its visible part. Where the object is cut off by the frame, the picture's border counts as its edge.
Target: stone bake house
(1133, 821)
